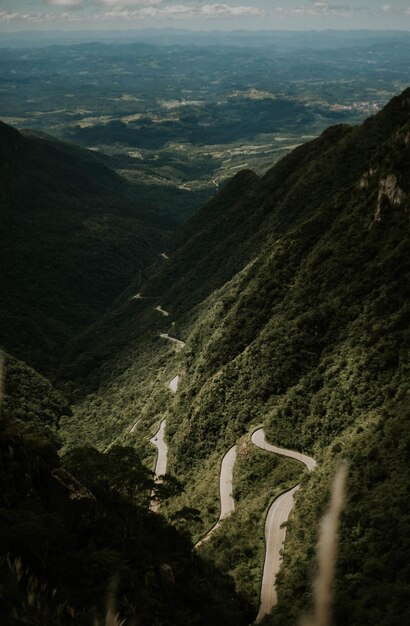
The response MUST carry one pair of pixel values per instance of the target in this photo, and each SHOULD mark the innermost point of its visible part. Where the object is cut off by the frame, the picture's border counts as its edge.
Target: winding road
(158, 440)
(173, 384)
(180, 344)
(225, 491)
(279, 511)
(161, 310)
(275, 533)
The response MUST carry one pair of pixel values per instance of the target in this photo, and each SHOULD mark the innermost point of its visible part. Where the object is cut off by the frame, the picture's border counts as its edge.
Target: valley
(204, 313)
(180, 118)
(248, 349)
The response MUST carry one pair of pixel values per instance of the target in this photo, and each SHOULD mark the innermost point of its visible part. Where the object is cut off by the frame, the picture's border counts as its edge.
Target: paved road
(225, 491)
(161, 310)
(259, 439)
(180, 344)
(173, 384)
(274, 533)
(158, 441)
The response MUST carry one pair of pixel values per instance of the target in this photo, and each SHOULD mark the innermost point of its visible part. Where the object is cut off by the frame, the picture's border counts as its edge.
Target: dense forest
(290, 293)
(74, 234)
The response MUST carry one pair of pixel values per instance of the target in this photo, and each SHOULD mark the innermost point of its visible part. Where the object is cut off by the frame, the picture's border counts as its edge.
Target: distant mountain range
(290, 294)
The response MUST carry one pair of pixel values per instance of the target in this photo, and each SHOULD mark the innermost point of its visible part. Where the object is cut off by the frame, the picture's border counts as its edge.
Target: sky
(16, 15)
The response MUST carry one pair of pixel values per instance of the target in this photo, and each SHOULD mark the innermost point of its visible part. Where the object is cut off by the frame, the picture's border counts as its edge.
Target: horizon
(167, 35)
(202, 15)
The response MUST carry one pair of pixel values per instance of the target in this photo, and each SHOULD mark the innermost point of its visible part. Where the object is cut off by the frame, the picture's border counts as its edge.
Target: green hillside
(72, 554)
(290, 292)
(73, 235)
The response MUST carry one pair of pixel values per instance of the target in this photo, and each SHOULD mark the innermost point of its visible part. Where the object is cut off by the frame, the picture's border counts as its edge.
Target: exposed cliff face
(366, 178)
(389, 194)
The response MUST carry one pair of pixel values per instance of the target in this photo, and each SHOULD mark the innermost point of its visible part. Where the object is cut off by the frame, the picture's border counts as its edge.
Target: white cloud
(223, 10)
(177, 10)
(6, 16)
(64, 3)
(322, 9)
(128, 3)
(36, 18)
(183, 11)
(204, 10)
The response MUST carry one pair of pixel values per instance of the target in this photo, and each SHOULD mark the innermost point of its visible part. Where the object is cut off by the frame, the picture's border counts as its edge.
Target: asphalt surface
(173, 384)
(180, 344)
(275, 534)
(225, 492)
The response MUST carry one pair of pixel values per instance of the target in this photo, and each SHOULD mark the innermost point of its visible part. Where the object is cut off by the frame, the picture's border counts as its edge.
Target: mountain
(290, 292)
(79, 536)
(73, 235)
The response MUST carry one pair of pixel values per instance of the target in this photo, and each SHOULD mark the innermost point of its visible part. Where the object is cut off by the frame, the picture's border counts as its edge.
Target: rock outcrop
(390, 194)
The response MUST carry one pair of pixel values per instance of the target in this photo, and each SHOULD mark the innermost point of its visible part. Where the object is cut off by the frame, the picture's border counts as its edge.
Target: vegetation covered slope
(65, 547)
(306, 333)
(79, 544)
(72, 236)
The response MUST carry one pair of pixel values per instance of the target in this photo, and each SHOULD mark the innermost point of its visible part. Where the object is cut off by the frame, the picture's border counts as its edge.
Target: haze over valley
(183, 116)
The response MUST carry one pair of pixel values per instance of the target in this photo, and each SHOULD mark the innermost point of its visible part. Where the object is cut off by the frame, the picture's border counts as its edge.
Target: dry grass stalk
(327, 552)
(112, 618)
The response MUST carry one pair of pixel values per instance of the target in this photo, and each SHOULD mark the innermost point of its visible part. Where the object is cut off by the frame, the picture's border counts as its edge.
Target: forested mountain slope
(291, 295)
(72, 236)
(78, 540)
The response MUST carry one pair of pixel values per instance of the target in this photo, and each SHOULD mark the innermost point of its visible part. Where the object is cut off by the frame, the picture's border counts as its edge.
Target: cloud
(387, 8)
(322, 9)
(176, 10)
(183, 11)
(7, 16)
(127, 3)
(64, 3)
(204, 10)
(37, 18)
(224, 10)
